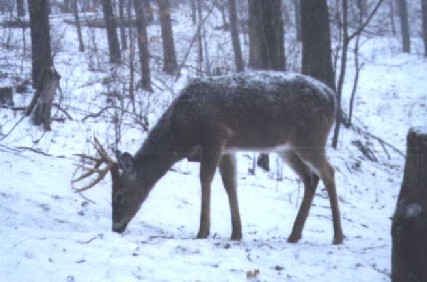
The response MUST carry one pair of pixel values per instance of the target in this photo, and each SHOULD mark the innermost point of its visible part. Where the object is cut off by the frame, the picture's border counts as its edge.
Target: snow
(51, 233)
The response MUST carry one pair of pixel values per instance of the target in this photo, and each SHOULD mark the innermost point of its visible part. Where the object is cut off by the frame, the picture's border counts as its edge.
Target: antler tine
(102, 152)
(96, 162)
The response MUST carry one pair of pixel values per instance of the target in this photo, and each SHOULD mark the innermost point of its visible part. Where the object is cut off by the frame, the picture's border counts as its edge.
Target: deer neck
(157, 155)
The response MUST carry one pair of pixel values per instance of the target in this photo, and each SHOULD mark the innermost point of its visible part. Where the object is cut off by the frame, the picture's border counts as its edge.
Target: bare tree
(40, 38)
(266, 35)
(169, 57)
(142, 39)
(316, 41)
(238, 59)
(123, 40)
(45, 77)
(20, 8)
(78, 25)
(113, 40)
(404, 26)
(424, 13)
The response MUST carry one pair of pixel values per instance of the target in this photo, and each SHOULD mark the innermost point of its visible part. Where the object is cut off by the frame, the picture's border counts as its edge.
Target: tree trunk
(20, 8)
(424, 13)
(409, 226)
(123, 40)
(404, 26)
(393, 25)
(316, 41)
(43, 98)
(78, 26)
(142, 39)
(266, 36)
(169, 57)
(238, 59)
(113, 39)
(40, 38)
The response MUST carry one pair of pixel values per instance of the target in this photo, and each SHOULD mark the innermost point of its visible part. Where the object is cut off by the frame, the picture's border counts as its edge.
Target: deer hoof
(293, 238)
(202, 235)
(338, 240)
(236, 237)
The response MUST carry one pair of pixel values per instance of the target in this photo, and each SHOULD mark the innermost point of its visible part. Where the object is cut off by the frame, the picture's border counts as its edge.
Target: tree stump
(409, 226)
(43, 98)
(6, 96)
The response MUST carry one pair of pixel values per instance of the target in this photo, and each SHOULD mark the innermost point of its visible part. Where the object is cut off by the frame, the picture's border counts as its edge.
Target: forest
(83, 82)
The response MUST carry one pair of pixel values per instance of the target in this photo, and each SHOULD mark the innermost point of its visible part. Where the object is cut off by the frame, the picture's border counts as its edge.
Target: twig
(199, 28)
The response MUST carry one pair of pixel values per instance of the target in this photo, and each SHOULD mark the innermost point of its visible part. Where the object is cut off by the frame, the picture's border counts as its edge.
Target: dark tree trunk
(169, 63)
(424, 12)
(142, 39)
(316, 41)
(40, 38)
(409, 226)
(266, 35)
(238, 59)
(404, 26)
(113, 39)
(78, 26)
(20, 8)
(123, 40)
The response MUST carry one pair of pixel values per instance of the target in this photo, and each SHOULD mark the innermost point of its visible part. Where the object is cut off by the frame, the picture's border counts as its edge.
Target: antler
(96, 163)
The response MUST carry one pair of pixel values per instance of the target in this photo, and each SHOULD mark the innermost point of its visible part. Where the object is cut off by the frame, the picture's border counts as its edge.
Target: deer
(213, 118)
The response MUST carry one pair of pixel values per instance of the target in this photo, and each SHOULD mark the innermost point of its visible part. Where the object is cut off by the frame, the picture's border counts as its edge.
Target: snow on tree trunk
(43, 98)
(409, 226)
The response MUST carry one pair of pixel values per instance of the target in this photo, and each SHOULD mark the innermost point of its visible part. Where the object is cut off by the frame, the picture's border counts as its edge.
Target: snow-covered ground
(51, 233)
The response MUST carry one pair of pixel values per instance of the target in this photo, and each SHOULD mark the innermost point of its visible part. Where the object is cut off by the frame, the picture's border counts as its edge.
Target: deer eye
(119, 198)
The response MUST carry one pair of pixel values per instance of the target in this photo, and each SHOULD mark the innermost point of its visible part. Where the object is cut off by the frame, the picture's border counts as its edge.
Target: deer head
(127, 192)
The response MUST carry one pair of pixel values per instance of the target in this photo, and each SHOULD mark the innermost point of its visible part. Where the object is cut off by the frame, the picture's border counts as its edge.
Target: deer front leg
(210, 157)
(227, 167)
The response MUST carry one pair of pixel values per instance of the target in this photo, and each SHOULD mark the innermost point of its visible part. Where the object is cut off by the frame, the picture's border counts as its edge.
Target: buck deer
(214, 117)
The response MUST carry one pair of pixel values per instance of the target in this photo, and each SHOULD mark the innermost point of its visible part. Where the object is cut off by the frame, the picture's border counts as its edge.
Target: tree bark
(43, 98)
(40, 38)
(409, 226)
(113, 39)
(404, 26)
(169, 57)
(123, 40)
(266, 35)
(424, 13)
(142, 39)
(78, 26)
(316, 42)
(238, 58)
(20, 8)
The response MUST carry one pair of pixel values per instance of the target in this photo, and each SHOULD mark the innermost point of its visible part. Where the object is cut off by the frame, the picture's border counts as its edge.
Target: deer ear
(126, 161)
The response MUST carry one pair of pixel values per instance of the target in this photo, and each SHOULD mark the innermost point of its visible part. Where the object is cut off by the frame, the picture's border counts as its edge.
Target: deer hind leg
(227, 167)
(315, 158)
(310, 180)
(211, 154)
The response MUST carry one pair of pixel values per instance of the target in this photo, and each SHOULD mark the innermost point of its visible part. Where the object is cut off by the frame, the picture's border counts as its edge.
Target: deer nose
(119, 228)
